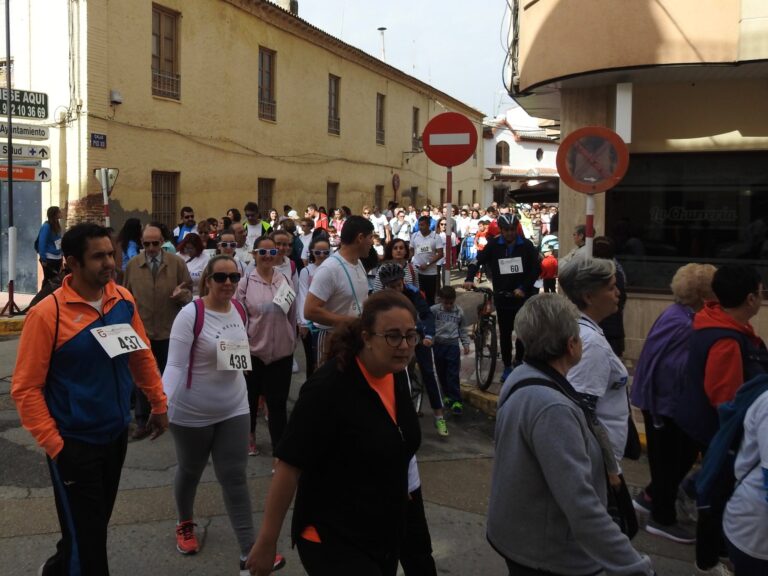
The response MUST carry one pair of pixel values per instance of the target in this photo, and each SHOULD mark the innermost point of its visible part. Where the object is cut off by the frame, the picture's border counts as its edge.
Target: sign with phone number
(24, 103)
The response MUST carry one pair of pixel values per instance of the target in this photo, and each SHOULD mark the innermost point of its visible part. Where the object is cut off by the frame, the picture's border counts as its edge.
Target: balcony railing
(380, 137)
(268, 110)
(166, 84)
(334, 125)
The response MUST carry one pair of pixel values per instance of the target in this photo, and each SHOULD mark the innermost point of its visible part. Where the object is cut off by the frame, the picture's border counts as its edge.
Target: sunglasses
(265, 251)
(321, 252)
(189, 217)
(221, 277)
(151, 243)
(228, 244)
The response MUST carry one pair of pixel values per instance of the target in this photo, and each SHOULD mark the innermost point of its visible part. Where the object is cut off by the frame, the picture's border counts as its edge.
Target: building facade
(215, 103)
(684, 83)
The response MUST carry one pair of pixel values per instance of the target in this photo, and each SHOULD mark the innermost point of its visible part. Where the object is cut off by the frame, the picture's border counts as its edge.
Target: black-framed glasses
(250, 215)
(189, 217)
(221, 277)
(394, 339)
(151, 243)
(321, 252)
(228, 244)
(265, 251)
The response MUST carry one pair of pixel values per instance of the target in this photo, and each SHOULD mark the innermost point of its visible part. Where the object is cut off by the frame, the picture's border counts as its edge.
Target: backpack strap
(197, 328)
(240, 310)
(530, 382)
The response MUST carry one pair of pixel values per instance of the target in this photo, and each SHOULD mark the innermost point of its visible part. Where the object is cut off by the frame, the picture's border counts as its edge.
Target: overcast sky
(454, 45)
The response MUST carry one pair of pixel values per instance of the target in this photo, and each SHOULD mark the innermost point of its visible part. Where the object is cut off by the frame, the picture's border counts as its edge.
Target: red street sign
(449, 139)
(592, 159)
(26, 173)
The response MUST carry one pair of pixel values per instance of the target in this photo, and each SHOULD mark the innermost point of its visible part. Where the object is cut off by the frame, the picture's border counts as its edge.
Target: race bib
(284, 297)
(57, 243)
(510, 265)
(233, 355)
(118, 339)
(425, 249)
(482, 241)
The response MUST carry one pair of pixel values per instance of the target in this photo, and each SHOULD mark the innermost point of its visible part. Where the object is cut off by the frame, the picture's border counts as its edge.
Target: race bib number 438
(233, 355)
(118, 339)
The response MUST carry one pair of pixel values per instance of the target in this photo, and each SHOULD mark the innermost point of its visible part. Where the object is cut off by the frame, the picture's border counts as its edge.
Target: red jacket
(548, 267)
(724, 371)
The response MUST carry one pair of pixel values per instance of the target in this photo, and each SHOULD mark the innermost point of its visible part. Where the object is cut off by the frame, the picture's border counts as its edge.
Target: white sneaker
(295, 368)
(718, 569)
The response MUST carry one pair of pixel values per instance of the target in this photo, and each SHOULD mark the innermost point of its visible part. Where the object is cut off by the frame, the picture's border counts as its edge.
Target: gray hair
(544, 324)
(582, 276)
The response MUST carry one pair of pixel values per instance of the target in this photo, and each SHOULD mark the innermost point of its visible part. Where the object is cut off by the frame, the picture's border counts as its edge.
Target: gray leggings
(227, 443)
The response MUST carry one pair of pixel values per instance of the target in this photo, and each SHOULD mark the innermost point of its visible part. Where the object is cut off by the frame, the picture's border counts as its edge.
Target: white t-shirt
(214, 395)
(306, 240)
(343, 286)
(424, 249)
(306, 276)
(379, 225)
(454, 244)
(745, 521)
(195, 266)
(252, 233)
(601, 373)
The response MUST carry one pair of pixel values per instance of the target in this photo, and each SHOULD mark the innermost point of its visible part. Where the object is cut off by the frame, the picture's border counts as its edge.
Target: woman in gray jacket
(547, 512)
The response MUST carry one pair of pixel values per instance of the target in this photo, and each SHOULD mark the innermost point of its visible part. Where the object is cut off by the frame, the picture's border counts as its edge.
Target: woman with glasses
(401, 228)
(397, 251)
(191, 249)
(346, 451)
(208, 403)
(269, 300)
(227, 245)
(319, 250)
(441, 230)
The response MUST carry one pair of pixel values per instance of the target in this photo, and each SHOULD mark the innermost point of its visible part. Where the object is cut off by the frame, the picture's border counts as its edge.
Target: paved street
(455, 475)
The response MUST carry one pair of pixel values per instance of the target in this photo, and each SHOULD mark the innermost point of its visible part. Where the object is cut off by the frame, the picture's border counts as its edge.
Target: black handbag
(633, 448)
(620, 508)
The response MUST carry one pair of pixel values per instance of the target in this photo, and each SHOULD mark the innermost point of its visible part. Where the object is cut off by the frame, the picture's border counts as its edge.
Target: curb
(11, 326)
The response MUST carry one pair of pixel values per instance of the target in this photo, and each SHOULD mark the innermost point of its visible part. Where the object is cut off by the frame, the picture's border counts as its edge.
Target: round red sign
(449, 139)
(592, 159)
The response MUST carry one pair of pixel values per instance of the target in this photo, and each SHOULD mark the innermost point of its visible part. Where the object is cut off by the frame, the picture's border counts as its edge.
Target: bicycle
(486, 341)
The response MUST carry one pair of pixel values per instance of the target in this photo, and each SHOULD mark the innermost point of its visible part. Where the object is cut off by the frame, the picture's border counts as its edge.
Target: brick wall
(87, 209)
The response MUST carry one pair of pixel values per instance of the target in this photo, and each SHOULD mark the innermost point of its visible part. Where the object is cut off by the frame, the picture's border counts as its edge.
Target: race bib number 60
(118, 339)
(233, 355)
(510, 265)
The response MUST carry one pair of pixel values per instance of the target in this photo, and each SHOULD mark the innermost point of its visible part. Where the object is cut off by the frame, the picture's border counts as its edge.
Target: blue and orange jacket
(71, 388)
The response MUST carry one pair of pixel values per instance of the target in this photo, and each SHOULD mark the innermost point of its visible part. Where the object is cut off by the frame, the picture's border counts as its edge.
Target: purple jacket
(663, 361)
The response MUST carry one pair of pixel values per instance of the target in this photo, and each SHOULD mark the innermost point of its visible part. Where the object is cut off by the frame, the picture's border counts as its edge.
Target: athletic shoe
(718, 569)
(447, 402)
(186, 542)
(457, 408)
(252, 449)
(673, 532)
(278, 564)
(686, 506)
(442, 427)
(642, 502)
(506, 373)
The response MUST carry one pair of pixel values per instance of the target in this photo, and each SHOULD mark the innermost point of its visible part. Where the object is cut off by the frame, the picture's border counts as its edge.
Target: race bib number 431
(118, 339)
(233, 355)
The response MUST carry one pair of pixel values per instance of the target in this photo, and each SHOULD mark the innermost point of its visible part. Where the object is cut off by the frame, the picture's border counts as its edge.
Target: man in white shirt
(427, 249)
(380, 225)
(340, 285)
(242, 252)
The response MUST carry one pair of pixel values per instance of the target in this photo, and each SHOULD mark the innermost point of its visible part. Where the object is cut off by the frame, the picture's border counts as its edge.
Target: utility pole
(383, 29)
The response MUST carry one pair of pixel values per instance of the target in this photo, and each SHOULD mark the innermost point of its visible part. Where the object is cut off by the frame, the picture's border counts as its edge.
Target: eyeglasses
(228, 244)
(321, 252)
(394, 339)
(189, 216)
(151, 243)
(265, 251)
(366, 213)
(221, 277)
(250, 215)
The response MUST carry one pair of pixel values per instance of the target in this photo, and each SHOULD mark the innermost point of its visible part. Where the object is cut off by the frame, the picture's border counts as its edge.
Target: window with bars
(331, 195)
(380, 135)
(166, 80)
(442, 197)
(461, 198)
(415, 195)
(334, 121)
(267, 70)
(415, 131)
(502, 154)
(474, 197)
(165, 191)
(378, 196)
(266, 191)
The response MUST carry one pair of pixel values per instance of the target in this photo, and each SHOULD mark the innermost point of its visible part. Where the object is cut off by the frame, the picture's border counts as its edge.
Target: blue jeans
(448, 364)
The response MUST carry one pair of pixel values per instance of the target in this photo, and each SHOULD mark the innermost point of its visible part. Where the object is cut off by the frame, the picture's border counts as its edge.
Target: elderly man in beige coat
(161, 285)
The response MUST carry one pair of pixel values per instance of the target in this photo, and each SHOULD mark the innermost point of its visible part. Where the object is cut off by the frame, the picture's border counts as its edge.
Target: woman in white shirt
(208, 404)
(195, 257)
(319, 250)
(441, 230)
(401, 228)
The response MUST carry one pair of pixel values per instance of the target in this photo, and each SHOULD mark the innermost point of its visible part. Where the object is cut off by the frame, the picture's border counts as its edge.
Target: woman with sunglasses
(347, 448)
(268, 297)
(208, 403)
(227, 245)
(192, 250)
(319, 250)
(441, 230)
(397, 251)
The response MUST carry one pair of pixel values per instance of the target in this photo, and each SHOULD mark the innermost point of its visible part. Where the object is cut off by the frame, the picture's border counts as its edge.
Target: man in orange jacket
(81, 349)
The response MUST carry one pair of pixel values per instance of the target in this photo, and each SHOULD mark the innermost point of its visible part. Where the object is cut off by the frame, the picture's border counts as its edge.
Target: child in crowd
(450, 331)
(378, 246)
(334, 239)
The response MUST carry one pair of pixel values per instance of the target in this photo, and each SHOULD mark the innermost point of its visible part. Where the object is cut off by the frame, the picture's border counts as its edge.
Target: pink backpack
(199, 321)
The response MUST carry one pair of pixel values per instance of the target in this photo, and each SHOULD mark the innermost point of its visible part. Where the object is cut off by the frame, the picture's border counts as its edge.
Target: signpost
(449, 139)
(106, 177)
(26, 151)
(25, 173)
(592, 160)
(24, 131)
(24, 103)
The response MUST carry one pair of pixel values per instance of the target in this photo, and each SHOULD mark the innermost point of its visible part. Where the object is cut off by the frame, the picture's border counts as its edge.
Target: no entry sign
(449, 139)
(592, 159)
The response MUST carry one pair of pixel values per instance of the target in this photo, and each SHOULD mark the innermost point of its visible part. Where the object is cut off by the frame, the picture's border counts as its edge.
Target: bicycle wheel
(485, 353)
(417, 386)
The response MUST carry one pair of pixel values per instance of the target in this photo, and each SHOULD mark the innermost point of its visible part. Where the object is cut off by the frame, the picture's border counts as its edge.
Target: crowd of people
(195, 330)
